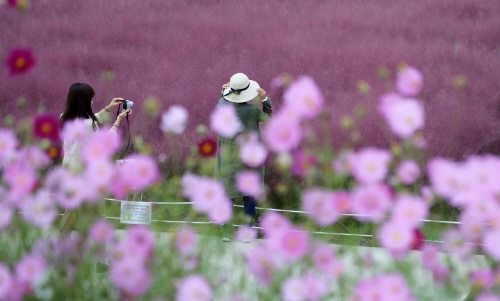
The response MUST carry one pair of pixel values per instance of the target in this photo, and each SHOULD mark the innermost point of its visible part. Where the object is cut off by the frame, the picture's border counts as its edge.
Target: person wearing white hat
(242, 93)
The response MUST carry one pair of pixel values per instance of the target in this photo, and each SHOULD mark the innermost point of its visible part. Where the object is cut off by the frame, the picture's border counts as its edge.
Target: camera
(127, 104)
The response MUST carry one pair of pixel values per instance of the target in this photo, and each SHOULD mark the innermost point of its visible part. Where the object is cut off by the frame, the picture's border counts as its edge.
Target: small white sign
(135, 213)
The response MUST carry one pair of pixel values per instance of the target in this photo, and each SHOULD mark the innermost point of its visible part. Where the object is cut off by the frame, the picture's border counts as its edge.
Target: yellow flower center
(21, 63)
(46, 128)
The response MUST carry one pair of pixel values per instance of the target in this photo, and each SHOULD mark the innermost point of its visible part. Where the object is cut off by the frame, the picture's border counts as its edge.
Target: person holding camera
(79, 106)
(242, 93)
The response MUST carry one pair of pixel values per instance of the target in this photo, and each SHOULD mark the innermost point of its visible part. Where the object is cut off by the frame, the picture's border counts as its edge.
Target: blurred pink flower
(261, 264)
(253, 154)
(140, 240)
(404, 116)
(396, 236)
(249, 183)
(21, 180)
(72, 193)
(342, 201)
(317, 286)
(274, 223)
(281, 135)
(186, 240)
(46, 126)
(487, 297)
(409, 81)
(99, 174)
(371, 202)
(293, 243)
(304, 96)
(491, 243)
(130, 275)
(39, 209)
(225, 121)
(8, 145)
(410, 210)
(396, 287)
(33, 156)
(138, 173)
(302, 162)
(408, 172)
(101, 231)
(482, 278)
(453, 242)
(326, 261)
(430, 256)
(20, 61)
(189, 181)
(221, 212)
(194, 288)
(370, 165)
(30, 268)
(174, 120)
(6, 213)
(6, 281)
(208, 192)
(320, 206)
(293, 289)
(246, 234)
(443, 176)
(472, 224)
(484, 172)
(75, 131)
(101, 146)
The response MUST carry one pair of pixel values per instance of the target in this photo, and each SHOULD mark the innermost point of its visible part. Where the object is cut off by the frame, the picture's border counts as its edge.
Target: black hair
(78, 104)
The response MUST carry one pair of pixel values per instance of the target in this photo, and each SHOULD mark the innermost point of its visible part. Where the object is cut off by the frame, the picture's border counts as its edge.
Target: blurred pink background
(182, 51)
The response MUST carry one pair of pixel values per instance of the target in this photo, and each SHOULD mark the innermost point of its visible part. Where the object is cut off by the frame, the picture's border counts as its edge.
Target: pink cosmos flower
(246, 234)
(342, 201)
(274, 223)
(75, 131)
(72, 192)
(370, 165)
(261, 264)
(20, 61)
(221, 212)
(472, 224)
(40, 209)
(482, 278)
(140, 240)
(253, 154)
(225, 121)
(101, 231)
(326, 261)
(101, 146)
(186, 240)
(484, 172)
(488, 297)
(8, 145)
(409, 81)
(46, 126)
(305, 97)
(5, 281)
(371, 202)
(453, 242)
(130, 275)
(281, 135)
(404, 117)
(34, 157)
(491, 246)
(410, 210)
(316, 286)
(139, 173)
(320, 206)
(408, 172)
(302, 162)
(174, 120)
(6, 213)
(444, 176)
(396, 237)
(30, 268)
(99, 174)
(21, 180)
(395, 286)
(194, 288)
(207, 194)
(189, 181)
(249, 183)
(430, 256)
(293, 244)
(293, 289)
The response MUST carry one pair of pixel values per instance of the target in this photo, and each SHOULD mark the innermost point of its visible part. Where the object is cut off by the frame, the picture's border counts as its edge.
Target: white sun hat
(241, 89)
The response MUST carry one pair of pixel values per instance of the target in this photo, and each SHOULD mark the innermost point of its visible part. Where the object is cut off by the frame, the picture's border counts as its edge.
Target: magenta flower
(293, 244)
(101, 231)
(409, 81)
(370, 165)
(488, 297)
(320, 206)
(410, 210)
(396, 236)
(8, 145)
(293, 289)
(408, 172)
(46, 127)
(194, 288)
(101, 146)
(302, 162)
(6, 281)
(246, 234)
(225, 121)
(281, 135)
(140, 240)
(186, 240)
(249, 183)
(491, 246)
(304, 96)
(274, 223)
(371, 202)
(174, 120)
(20, 61)
(30, 268)
(130, 275)
(207, 147)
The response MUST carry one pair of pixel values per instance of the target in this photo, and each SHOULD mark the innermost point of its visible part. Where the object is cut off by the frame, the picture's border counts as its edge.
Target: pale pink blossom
(408, 172)
(249, 183)
(396, 237)
(370, 165)
(75, 131)
(282, 135)
(488, 297)
(6, 281)
(472, 224)
(186, 240)
(293, 244)
(189, 182)
(261, 264)
(100, 146)
(39, 209)
(317, 286)
(8, 145)
(6, 212)
(99, 174)
(491, 244)
(410, 210)
(174, 120)
(194, 288)
(72, 192)
(101, 231)
(482, 278)
(207, 193)
(21, 180)
(371, 203)
(409, 81)
(404, 116)
(221, 212)
(395, 286)
(304, 96)
(484, 172)
(293, 289)
(253, 154)
(430, 256)
(274, 223)
(140, 240)
(34, 157)
(130, 275)
(326, 261)
(30, 268)
(444, 176)
(320, 206)
(454, 242)
(246, 234)
(225, 121)
(142, 169)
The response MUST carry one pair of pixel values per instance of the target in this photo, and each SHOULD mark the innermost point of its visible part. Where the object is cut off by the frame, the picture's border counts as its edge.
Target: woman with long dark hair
(79, 105)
